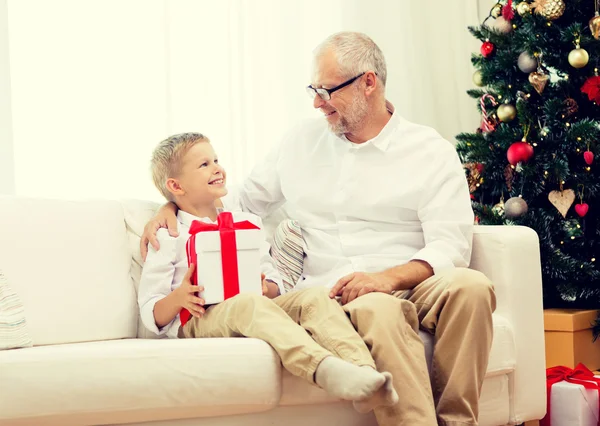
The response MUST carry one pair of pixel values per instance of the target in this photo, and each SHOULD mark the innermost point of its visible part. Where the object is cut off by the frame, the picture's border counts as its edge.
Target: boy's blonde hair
(166, 158)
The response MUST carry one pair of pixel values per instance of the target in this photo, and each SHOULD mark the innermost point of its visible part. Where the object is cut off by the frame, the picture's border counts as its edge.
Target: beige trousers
(456, 307)
(303, 327)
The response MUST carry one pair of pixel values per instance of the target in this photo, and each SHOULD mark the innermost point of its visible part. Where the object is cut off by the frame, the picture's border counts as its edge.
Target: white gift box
(209, 268)
(573, 405)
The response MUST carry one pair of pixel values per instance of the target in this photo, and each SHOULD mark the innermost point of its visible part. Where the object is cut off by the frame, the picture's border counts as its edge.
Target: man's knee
(472, 286)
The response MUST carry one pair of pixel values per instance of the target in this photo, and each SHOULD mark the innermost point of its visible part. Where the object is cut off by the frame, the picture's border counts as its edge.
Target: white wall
(7, 176)
(96, 84)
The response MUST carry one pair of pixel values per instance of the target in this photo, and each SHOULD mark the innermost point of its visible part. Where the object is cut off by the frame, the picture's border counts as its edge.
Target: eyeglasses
(325, 94)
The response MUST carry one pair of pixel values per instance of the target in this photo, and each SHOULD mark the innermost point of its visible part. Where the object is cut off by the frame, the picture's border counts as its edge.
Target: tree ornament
(549, 9)
(595, 22)
(582, 208)
(502, 25)
(474, 175)
(588, 157)
(487, 48)
(499, 207)
(591, 88)
(578, 57)
(519, 152)
(507, 11)
(562, 200)
(527, 63)
(539, 80)
(496, 10)
(571, 107)
(523, 8)
(488, 122)
(595, 25)
(478, 78)
(506, 113)
(509, 176)
(515, 207)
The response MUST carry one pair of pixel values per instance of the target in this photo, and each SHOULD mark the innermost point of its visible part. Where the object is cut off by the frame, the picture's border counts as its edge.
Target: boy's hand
(186, 294)
(269, 288)
(265, 287)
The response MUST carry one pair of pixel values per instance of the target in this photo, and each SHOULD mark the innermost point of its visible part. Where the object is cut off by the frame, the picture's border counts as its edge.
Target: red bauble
(487, 48)
(582, 209)
(591, 88)
(479, 167)
(588, 156)
(519, 152)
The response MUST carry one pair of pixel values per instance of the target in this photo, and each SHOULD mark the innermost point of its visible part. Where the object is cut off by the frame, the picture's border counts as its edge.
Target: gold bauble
(523, 8)
(506, 113)
(496, 10)
(478, 78)
(549, 9)
(595, 26)
(578, 58)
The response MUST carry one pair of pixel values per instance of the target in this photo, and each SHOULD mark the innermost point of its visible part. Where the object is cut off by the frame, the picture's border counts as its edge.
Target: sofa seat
(136, 380)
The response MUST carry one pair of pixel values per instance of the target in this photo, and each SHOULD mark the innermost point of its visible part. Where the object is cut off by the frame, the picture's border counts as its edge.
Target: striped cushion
(12, 318)
(288, 252)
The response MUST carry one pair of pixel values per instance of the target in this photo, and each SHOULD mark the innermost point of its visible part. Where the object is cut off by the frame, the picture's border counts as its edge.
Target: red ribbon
(581, 375)
(226, 227)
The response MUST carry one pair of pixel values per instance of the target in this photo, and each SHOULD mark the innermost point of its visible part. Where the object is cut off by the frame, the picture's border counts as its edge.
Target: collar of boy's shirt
(186, 218)
(382, 140)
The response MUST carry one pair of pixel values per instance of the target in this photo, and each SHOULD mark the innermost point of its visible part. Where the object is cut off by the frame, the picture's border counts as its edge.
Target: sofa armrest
(510, 257)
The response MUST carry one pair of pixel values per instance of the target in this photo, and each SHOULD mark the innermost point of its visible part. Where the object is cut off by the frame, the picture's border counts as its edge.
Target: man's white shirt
(164, 269)
(398, 197)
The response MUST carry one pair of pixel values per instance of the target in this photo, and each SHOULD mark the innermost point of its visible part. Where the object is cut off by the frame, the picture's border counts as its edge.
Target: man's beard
(352, 119)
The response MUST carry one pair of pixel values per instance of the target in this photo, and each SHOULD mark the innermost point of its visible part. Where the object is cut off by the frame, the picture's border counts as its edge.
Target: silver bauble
(502, 25)
(515, 207)
(527, 63)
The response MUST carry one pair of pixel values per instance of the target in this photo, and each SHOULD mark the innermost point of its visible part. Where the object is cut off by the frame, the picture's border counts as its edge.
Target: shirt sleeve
(446, 217)
(260, 193)
(157, 277)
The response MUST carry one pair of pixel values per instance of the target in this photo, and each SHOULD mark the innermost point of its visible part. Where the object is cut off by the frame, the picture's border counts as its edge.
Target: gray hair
(355, 53)
(166, 158)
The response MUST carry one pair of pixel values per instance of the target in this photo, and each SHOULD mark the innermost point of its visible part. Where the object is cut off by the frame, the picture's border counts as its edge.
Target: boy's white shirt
(164, 269)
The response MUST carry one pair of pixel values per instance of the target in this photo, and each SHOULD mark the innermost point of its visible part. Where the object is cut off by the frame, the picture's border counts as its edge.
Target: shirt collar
(186, 218)
(382, 140)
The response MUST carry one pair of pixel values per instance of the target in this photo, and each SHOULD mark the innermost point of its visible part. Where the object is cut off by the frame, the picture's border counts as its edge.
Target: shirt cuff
(438, 261)
(147, 314)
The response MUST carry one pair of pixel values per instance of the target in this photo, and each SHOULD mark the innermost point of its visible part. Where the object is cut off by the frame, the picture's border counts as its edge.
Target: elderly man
(385, 213)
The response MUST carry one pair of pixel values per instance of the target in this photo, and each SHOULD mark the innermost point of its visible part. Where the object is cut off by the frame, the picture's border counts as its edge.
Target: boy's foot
(348, 381)
(385, 395)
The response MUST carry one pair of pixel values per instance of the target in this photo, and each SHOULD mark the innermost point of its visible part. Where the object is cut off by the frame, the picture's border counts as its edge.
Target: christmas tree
(531, 162)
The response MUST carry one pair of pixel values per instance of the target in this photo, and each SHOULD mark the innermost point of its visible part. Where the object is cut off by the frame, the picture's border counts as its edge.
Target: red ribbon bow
(581, 375)
(226, 227)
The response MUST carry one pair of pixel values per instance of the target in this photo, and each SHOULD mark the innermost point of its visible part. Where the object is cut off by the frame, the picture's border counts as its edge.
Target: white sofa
(76, 267)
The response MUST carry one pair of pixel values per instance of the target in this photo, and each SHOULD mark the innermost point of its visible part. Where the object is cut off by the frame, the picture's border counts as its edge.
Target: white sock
(385, 395)
(348, 381)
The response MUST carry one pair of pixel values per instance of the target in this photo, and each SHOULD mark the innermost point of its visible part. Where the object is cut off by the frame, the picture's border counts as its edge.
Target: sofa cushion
(69, 262)
(138, 380)
(13, 331)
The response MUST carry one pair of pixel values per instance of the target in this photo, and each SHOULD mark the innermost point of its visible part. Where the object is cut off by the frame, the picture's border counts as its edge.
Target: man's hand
(360, 283)
(165, 218)
(186, 294)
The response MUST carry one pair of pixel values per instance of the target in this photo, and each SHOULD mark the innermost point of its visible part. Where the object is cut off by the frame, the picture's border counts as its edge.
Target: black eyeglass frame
(325, 94)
